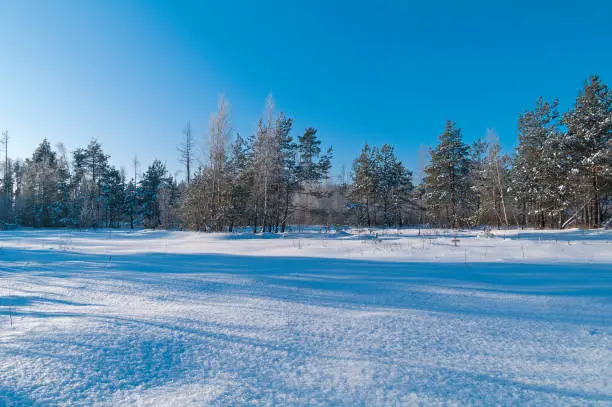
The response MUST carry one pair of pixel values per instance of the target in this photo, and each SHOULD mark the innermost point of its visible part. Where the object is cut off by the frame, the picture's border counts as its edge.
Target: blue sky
(132, 73)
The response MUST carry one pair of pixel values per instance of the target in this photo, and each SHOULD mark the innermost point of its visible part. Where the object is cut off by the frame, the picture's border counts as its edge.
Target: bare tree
(136, 165)
(7, 184)
(220, 132)
(4, 140)
(219, 136)
(186, 150)
(267, 155)
(495, 161)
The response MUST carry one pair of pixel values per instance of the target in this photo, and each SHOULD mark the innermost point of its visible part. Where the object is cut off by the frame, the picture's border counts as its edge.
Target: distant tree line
(559, 175)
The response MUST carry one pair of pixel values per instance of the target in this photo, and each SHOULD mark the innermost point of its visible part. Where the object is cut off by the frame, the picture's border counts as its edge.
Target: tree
(40, 187)
(90, 165)
(446, 181)
(135, 166)
(6, 193)
(393, 185)
(289, 180)
(130, 205)
(478, 204)
(18, 171)
(496, 170)
(361, 193)
(240, 181)
(256, 181)
(153, 181)
(538, 164)
(589, 135)
(266, 165)
(62, 205)
(219, 136)
(186, 150)
(113, 195)
(381, 188)
(309, 168)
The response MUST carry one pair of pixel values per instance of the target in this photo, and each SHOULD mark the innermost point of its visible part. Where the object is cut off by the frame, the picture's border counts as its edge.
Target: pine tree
(90, 165)
(363, 188)
(289, 181)
(113, 195)
(478, 203)
(6, 192)
(153, 180)
(589, 136)
(130, 203)
(393, 185)
(536, 166)
(446, 181)
(40, 189)
(18, 171)
(240, 182)
(62, 204)
(185, 150)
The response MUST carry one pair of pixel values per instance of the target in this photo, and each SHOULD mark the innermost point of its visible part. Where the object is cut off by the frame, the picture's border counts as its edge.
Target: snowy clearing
(157, 318)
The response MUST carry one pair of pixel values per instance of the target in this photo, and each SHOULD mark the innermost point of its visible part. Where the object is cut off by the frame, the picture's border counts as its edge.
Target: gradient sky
(132, 73)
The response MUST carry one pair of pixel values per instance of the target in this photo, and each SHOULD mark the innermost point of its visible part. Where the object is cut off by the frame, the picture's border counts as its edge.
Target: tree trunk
(596, 213)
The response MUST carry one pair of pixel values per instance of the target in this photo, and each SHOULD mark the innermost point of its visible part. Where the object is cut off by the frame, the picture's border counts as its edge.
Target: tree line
(559, 175)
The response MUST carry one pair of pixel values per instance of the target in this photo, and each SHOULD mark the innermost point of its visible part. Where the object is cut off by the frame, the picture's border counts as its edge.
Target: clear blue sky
(131, 73)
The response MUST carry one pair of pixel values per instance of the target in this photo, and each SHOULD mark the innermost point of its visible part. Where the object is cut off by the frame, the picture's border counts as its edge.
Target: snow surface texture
(178, 319)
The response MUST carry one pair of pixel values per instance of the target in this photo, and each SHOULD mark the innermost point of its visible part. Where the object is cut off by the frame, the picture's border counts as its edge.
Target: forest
(278, 177)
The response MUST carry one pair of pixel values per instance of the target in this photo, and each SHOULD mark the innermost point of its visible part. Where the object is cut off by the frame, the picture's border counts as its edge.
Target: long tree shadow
(134, 353)
(9, 397)
(501, 289)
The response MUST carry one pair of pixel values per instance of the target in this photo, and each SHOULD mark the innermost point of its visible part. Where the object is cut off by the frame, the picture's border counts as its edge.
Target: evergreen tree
(537, 167)
(186, 151)
(40, 187)
(361, 193)
(240, 182)
(130, 204)
(289, 181)
(393, 185)
(113, 196)
(589, 137)
(153, 181)
(90, 164)
(446, 180)
(6, 190)
(62, 207)
(309, 170)
(479, 183)
(6, 193)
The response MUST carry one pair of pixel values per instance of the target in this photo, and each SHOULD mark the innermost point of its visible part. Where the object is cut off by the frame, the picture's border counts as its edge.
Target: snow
(155, 318)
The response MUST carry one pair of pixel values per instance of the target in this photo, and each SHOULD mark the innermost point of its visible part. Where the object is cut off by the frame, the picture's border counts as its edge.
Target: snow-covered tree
(538, 168)
(362, 191)
(153, 181)
(40, 191)
(589, 138)
(90, 164)
(446, 181)
(186, 151)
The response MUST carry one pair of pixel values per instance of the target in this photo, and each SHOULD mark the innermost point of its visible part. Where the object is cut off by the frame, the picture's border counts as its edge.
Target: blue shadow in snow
(475, 288)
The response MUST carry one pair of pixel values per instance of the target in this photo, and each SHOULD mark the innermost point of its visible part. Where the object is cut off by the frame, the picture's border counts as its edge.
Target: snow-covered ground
(177, 318)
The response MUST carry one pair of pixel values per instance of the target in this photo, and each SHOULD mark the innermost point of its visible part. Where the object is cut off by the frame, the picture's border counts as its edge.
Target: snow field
(178, 318)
